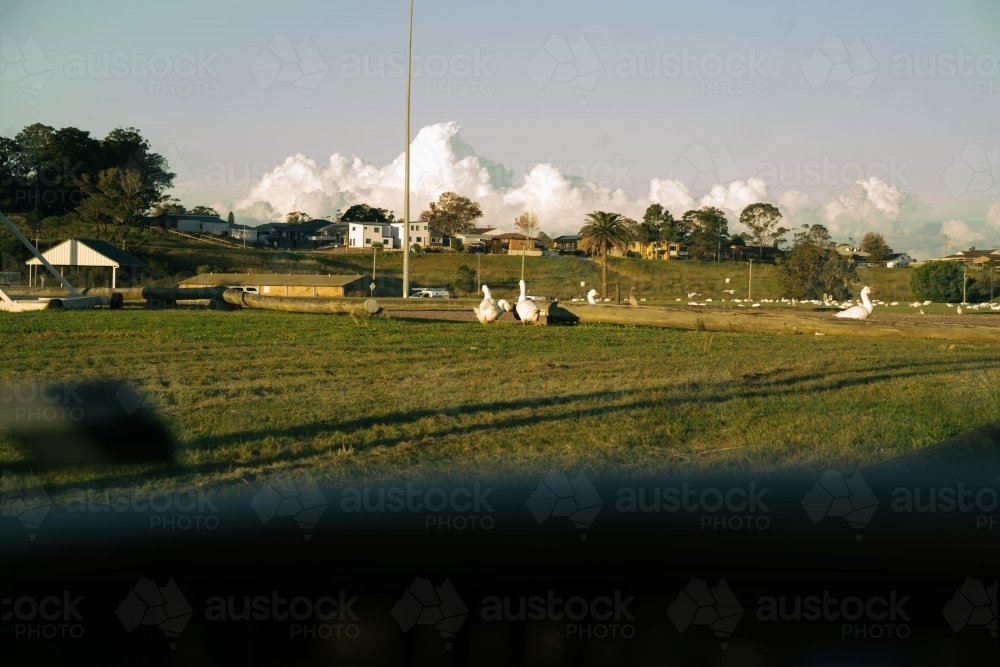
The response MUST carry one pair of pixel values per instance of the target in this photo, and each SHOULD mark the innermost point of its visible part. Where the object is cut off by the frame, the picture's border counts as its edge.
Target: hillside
(552, 277)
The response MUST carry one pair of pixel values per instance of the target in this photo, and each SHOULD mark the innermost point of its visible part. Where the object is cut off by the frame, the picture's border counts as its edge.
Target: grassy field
(250, 393)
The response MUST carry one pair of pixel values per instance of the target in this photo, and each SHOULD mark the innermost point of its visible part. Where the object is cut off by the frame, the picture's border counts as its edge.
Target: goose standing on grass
(527, 311)
(590, 297)
(631, 296)
(862, 311)
(488, 310)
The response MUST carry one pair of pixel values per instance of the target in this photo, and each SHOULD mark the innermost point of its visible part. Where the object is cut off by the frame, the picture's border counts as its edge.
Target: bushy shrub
(938, 281)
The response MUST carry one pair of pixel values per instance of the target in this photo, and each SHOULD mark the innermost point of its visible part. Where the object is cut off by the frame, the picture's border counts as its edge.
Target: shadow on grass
(549, 410)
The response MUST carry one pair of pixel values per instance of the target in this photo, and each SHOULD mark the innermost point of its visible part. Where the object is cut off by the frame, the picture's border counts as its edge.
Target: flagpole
(406, 168)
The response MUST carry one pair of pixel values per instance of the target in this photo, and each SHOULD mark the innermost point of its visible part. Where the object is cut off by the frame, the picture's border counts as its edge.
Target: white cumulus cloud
(868, 205)
(993, 216)
(441, 161)
(960, 234)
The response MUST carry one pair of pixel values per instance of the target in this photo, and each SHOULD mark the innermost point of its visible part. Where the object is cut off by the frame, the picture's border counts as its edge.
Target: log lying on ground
(763, 322)
(305, 304)
(168, 293)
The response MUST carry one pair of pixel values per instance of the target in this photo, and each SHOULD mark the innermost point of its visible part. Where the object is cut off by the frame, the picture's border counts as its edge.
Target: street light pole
(406, 168)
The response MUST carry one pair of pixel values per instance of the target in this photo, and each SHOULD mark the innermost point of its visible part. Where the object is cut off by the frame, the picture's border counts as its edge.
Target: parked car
(430, 293)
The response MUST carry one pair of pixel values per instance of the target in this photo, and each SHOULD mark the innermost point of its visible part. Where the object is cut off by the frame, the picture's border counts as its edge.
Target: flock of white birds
(527, 311)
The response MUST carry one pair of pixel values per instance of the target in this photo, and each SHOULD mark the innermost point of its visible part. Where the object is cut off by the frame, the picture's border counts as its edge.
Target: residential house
(364, 234)
(419, 233)
(973, 256)
(567, 244)
(474, 240)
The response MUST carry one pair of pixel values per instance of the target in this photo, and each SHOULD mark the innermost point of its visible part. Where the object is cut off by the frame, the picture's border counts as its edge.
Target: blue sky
(617, 94)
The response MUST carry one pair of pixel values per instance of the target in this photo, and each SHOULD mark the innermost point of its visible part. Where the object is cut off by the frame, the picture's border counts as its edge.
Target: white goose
(488, 310)
(862, 311)
(526, 309)
(590, 297)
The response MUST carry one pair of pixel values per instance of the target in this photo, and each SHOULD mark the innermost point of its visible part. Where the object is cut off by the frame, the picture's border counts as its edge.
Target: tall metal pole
(406, 168)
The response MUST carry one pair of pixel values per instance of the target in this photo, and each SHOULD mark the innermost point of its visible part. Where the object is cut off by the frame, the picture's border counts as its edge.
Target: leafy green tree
(117, 200)
(544, 240)
(167, 206)
(465, 281)
(296, 217)
(764, 223)
(452, 213)
(817, 235)
(708, 229)
(874, 244)
(600, 234)
(231, 219)
(938, 281)
(813, 268)
(204, 210)
(366, 213)
(649, 232)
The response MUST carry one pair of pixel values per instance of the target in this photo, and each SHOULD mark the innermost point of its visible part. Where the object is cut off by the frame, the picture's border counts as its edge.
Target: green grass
(250, 393)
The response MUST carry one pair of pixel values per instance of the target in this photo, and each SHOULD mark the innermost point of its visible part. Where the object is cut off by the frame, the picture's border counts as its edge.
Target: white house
(420, 233)
(363, 234)
(202, 224)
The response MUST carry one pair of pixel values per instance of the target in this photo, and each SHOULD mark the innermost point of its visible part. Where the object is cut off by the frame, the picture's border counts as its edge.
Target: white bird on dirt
(488, 310)
(922, 311)
(995, 306)
(527, 311)
(915, 304)
(862, 311)
(590, 297)
(959, 310)
(692, 295)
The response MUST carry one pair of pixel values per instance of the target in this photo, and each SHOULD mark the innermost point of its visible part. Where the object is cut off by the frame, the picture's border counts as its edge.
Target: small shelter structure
(88, 253)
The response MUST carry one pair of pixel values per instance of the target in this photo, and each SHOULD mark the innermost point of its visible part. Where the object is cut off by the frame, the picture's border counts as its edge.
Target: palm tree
(603, 232)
